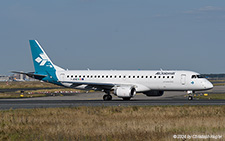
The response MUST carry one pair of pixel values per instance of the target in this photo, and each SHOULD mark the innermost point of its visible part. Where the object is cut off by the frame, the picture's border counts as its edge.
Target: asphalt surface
(27, 104)
(95, 99)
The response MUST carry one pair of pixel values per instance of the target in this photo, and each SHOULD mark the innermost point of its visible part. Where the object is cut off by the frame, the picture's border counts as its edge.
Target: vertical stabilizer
(42, 64)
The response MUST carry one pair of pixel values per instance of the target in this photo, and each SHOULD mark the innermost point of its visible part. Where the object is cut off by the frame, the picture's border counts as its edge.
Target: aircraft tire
(107, 97)
(190, 98)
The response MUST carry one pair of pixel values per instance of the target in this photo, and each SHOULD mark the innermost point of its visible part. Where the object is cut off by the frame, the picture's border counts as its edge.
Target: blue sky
(115, 34)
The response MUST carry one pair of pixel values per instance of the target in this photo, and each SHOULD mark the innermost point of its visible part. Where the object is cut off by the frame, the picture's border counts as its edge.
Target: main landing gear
(107, 96)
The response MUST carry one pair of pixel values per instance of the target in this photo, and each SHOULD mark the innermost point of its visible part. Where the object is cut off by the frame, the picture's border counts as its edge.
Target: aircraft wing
(108, 86)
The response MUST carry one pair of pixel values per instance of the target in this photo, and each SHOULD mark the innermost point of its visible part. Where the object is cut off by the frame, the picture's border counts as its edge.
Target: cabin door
(62, 76)
(183, 79)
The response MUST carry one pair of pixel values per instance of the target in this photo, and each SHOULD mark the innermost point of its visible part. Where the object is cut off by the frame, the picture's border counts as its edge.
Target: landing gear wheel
(107, 97)
(126, 98)
(190, 98)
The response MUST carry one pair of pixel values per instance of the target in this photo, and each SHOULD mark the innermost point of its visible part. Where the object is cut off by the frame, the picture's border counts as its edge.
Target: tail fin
(42, 64)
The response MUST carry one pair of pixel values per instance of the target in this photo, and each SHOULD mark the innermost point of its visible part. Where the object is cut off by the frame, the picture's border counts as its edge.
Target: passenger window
(75, 76)
(159, 76)
(124, 76)
(68, 76)
(163, 76)
(142, 76)
(128, 76)
(72, 76)
(106, 76)
(168, 76)
(193, 76)
(119, 76)
(99, 76)
(146, 76)
(133, 76)
(110, 76)
(84, 76)
(150, 76)
(137, 76)
(115, 76)
(172, 77)
(80, 76)
(154, 76)
(103, 76)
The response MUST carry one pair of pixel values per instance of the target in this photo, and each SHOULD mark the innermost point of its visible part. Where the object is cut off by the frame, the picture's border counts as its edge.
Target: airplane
(122, 83)
(18, 80)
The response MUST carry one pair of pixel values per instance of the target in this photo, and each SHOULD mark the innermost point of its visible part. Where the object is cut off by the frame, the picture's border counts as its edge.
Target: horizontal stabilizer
(31, 74)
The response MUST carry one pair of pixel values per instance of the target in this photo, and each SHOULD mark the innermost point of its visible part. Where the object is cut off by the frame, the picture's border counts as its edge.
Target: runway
(95, 99)
(27, 104)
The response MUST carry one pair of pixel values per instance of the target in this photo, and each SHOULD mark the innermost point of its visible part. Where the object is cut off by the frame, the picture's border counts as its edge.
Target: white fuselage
(142, 80)
(124, 84)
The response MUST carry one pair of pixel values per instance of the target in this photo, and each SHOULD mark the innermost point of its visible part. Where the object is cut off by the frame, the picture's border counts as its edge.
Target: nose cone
(208, 85)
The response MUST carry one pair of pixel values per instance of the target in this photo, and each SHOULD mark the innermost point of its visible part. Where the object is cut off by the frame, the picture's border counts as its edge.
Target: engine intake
(125, 92)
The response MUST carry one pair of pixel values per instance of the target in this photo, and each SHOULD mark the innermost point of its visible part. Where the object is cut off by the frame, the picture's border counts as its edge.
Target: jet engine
(125, 92)
(154, 93)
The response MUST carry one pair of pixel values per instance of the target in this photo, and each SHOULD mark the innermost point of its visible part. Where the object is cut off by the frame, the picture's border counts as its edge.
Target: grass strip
(112, 123)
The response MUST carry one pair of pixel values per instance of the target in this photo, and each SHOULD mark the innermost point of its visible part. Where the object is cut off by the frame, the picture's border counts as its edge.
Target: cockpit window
(193, 76)
(199, 76)
(196, 76)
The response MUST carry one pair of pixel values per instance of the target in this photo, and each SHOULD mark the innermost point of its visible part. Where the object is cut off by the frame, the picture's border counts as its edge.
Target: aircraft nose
(208, 85)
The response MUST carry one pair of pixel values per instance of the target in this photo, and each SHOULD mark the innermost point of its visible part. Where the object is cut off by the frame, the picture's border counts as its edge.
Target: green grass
(212, 96)
(42, 87)
(112, 123)
(26, 84)
(218, 82)
(17, 95)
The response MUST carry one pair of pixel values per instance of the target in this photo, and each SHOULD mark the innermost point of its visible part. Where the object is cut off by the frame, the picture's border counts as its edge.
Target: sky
(115, 34)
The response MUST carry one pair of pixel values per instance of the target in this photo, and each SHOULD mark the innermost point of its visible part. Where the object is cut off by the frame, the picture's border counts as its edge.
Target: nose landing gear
(190, 95)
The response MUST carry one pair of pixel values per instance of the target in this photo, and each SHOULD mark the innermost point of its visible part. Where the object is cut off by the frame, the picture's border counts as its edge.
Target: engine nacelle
(125, 92)
(154, 93)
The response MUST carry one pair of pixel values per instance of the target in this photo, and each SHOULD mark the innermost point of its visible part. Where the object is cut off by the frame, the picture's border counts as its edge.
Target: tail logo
(42, 59)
